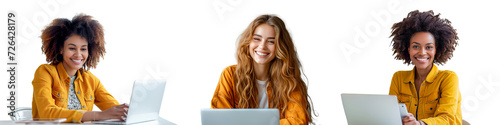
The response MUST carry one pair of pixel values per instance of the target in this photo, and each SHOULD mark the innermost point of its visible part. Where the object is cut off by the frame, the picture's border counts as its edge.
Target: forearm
(91, 116)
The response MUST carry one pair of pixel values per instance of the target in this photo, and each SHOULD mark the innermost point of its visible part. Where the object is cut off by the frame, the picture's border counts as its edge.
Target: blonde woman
(268, 74)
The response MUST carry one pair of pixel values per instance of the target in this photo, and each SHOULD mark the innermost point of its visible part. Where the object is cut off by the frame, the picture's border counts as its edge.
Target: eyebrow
(425, 44)
(261, 36)
(75, 45)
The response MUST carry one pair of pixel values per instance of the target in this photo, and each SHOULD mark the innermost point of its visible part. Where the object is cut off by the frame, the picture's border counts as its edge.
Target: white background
(189, 43)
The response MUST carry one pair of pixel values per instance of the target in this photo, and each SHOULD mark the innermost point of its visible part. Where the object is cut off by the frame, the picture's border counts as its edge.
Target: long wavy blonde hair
(285, 69)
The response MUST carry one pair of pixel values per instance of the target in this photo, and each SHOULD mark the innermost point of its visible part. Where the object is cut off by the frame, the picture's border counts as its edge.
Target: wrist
(420, 122)
(97, 116)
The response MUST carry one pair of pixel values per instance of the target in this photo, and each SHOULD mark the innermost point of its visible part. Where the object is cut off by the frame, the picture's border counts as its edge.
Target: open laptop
(368, 109)
(145, 102)
(240, 117)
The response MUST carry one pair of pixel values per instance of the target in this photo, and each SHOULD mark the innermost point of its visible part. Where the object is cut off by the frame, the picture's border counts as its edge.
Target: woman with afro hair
(65, 88)
(432, 96)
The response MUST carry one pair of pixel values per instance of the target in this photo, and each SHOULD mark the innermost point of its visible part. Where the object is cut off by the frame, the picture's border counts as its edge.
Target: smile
(261, 54)
(77, 61)
(423, 60)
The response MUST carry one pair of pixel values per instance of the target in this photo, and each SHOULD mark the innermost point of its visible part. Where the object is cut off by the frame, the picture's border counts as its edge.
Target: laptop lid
(145, 101)
(368, 109)
(240, 117)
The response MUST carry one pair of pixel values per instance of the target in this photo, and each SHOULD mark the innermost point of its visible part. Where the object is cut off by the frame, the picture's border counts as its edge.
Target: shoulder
(45, 69)
(447, 75)
(86, 74)
(402, 73)
(227, 76)
(229, 69)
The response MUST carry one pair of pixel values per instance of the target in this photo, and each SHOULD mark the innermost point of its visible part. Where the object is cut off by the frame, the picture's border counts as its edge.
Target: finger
(120, 113)
(406, 118)
(120, 106)
(124, 105)
(123, 118)
(123, 113)
(410, 114)
(116, 117)
(411, 119)
(119, 110)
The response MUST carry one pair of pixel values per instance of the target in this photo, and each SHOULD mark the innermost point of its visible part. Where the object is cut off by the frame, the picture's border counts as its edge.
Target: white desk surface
(160, 121)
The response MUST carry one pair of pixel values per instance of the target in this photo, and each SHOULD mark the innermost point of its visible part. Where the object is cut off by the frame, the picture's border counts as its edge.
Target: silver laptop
(145, 102)
(240, 117)
(367, 109)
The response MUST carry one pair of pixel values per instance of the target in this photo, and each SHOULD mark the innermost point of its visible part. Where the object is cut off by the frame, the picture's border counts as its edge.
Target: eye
(71, 48)
(83, 49)
(257, 39)
(271, 42)
(429, 47)
(415, 47)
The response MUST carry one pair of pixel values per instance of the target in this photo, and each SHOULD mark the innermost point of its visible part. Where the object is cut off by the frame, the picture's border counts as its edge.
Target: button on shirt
(73, 102)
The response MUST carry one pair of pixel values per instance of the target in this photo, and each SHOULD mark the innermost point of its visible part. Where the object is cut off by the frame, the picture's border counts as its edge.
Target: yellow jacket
(50, 93)
(225, 97)
(439, 99)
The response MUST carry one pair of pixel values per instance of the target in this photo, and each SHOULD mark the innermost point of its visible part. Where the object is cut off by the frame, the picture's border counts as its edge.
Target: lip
(76, 61)
(422, 59)
(261, 54)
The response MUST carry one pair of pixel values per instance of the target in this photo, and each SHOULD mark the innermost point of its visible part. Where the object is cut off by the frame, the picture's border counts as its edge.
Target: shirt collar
(430, 77)
(64, 75)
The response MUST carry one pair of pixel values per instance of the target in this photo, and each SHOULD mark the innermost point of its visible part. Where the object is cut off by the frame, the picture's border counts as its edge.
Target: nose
(422, 51)
(78, 53)
(262, 44)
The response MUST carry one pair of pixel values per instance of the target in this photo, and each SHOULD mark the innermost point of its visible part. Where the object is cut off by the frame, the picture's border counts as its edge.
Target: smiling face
(74, 53)
(262, 45)
(422, 50)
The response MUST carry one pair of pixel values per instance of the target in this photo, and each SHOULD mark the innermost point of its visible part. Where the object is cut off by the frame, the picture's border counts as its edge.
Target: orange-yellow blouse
(225, 97)
(50, 93)
(439, 99)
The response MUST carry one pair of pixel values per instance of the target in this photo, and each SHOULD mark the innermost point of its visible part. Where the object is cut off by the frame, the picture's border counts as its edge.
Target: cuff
(77, 116)
(429, 121)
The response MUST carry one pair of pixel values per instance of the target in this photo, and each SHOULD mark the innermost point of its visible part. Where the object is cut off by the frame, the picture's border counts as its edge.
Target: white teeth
(421, 59)
(76, 60)
(260, 54)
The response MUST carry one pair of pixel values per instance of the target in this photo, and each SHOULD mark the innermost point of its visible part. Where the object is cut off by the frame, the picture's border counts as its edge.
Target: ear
(61, 49)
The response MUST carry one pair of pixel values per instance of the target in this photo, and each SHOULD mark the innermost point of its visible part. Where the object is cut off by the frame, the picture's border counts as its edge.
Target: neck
(422, 73)
(69, 71)
(261, 71)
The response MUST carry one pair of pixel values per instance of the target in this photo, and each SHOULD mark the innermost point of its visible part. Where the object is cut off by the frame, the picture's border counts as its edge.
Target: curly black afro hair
(444, 34)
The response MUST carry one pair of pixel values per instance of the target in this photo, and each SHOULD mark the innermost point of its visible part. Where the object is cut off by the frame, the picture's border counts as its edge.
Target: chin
(423, 66)
(77, 67)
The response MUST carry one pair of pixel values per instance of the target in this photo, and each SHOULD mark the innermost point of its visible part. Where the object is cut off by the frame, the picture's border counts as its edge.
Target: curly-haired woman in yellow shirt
(432, 96)
(66, 88)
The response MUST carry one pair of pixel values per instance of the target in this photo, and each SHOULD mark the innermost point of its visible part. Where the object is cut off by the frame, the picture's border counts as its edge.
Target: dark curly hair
(444, 34)
(54, 35)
